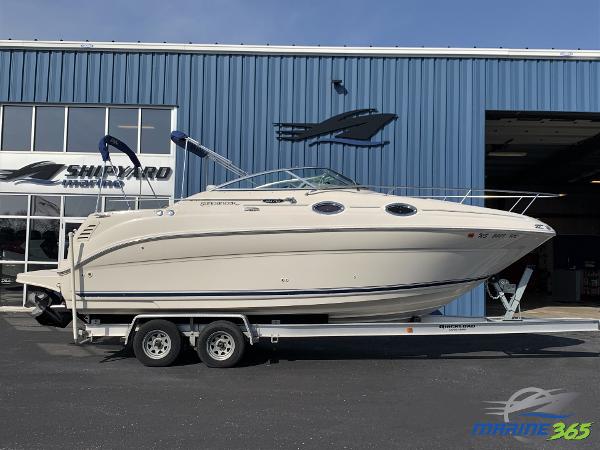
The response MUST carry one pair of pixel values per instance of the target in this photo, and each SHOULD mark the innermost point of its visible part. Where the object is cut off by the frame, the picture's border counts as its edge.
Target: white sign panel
(76, 173)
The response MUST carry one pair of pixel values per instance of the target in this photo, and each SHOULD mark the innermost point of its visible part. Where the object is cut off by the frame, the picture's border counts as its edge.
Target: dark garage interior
(555, 153)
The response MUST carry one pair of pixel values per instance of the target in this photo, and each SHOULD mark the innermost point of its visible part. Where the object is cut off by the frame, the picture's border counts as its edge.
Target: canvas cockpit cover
(180, 139)
(119, 145)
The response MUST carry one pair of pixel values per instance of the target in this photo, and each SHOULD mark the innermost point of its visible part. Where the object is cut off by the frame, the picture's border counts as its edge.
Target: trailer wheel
(221, 344)
(157, 343)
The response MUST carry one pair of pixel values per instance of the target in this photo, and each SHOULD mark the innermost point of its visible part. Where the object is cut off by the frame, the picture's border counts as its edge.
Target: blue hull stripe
(280, 293)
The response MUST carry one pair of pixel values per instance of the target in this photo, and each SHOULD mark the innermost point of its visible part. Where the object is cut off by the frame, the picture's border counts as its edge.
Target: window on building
(43, 240)
(123, 124)
(69, 226)
(119, 204)
(156, 131)
(49, 128)
(153, 203)
(33, 266)
(13, 205)
(47, 205)
(12, 239)
(11, 292)
(16, 128)
(80, 205)
(34, 228)
(85, 129)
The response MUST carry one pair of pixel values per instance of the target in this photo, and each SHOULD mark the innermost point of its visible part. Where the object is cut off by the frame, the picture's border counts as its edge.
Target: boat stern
(48, 304)
(47, 279)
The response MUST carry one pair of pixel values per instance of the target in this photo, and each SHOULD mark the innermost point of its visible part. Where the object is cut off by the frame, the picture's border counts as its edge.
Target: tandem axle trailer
(221, 338)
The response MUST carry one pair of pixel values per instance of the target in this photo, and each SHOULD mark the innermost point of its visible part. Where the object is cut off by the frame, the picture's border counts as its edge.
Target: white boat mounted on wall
(291, 241)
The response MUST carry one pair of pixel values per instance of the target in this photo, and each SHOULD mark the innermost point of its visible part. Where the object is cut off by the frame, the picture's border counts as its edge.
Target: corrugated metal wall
(230, 103)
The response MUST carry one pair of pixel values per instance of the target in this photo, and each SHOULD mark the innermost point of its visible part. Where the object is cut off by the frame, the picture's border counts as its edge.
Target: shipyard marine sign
(77, 175)
(68, 173)
(47, 172)
(355, 128)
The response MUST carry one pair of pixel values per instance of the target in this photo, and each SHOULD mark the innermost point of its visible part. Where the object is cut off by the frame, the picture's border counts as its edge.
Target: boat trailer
(427, 326)
(220, 338)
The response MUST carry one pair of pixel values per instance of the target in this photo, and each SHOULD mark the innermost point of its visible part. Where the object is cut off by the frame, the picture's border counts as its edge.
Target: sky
(567, 24)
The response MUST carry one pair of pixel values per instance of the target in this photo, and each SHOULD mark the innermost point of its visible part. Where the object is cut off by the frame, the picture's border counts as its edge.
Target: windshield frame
(289, 171)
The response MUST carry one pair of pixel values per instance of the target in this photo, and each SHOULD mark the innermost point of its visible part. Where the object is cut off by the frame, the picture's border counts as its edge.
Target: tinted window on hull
(328, 208)
(401, 209)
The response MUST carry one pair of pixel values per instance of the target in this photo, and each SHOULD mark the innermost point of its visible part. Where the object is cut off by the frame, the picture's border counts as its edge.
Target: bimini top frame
(315, 179)
(191, 145)
(112, 141)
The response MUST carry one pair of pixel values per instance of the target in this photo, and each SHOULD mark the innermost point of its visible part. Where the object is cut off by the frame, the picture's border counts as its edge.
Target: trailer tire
(157, 343)
(221, 344)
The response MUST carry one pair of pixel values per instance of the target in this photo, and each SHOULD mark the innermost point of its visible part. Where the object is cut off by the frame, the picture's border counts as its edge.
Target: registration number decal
(492, 235)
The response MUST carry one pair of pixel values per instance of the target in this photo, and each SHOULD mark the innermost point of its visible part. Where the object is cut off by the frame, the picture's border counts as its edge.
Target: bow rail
(461, 194)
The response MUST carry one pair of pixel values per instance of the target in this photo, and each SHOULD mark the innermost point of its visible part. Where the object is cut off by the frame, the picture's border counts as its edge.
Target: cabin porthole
(328, 208)
(400, 209)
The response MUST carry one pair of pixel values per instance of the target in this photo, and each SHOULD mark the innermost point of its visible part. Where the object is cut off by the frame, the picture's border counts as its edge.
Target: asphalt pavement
(407, 392)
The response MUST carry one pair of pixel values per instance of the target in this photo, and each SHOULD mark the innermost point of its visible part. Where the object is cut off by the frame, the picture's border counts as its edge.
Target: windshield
(301, 178)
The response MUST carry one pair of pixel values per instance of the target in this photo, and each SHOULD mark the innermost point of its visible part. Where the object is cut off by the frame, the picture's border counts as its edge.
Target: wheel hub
(156, 344)
(220, 345)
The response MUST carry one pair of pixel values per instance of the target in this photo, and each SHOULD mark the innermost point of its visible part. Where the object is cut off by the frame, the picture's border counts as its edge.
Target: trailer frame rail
(427, 326)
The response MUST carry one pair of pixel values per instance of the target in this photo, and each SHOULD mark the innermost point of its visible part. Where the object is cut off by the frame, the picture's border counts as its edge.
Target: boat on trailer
(286, 242)
(296, 244)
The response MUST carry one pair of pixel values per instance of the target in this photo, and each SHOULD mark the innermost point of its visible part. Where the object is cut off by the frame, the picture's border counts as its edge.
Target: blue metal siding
(230, 102)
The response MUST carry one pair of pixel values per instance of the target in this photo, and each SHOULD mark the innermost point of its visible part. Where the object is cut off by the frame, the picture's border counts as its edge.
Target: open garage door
(557, 153)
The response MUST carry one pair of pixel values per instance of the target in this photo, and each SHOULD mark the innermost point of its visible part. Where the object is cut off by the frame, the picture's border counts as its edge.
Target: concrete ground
(409, 392)
(557, 310)
(546, 307)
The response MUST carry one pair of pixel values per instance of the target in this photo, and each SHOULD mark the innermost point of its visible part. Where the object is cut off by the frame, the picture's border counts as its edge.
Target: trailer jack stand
(509, 294)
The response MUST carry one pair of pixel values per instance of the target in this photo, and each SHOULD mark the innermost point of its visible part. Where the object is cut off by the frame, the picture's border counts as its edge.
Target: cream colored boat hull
(347, 274)
(264, 252)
